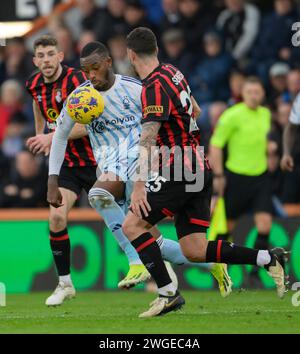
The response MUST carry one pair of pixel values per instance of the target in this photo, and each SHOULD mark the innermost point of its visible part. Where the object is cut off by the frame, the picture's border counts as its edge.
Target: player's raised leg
(103, 198)
(197, 249)
(61, 249)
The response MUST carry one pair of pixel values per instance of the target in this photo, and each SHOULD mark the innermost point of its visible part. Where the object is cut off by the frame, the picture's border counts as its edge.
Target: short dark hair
(44, 41)
(142, 41)
(254, 80)
(94, 47)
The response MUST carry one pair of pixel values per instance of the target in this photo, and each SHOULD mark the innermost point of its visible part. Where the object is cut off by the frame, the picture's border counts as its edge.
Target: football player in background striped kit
(49, 86)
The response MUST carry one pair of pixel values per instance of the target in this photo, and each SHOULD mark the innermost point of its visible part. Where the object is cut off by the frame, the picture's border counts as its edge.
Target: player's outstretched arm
(57, 155)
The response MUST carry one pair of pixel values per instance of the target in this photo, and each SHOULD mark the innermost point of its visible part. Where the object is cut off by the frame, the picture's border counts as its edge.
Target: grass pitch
(116, 312)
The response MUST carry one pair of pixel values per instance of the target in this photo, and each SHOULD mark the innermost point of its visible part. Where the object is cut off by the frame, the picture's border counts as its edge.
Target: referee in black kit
(168, 122)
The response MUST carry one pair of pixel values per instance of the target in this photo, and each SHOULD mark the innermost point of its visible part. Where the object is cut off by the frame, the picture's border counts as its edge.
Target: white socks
(167, 290)
(263, 258)
(66, 279)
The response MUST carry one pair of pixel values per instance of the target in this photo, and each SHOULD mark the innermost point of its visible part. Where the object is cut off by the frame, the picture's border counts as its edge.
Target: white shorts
(123, 164)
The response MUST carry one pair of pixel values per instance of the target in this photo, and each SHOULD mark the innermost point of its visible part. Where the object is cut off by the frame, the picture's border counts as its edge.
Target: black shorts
(77, 178)
(191, 210)
(244, 194)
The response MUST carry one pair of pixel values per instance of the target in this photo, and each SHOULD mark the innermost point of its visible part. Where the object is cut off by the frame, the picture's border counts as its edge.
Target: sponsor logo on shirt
(153, 109)
(99, 125)
(58, 96)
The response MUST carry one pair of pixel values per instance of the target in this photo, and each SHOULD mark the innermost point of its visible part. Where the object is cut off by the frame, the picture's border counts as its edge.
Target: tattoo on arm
(146, 148)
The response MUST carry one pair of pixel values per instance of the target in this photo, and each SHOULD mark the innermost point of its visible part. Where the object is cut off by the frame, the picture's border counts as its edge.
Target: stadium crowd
(216, 44)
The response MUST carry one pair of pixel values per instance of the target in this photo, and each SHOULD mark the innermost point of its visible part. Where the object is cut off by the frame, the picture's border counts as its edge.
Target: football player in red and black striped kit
(49, 88)
(168, 123)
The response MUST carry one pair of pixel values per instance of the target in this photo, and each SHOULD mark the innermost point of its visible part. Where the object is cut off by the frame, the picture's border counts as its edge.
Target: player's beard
(53, 74)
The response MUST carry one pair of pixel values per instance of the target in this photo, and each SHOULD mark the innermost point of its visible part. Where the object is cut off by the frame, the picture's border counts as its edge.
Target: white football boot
(62, 292)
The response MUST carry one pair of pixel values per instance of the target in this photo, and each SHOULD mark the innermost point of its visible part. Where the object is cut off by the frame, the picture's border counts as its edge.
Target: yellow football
(85, 104)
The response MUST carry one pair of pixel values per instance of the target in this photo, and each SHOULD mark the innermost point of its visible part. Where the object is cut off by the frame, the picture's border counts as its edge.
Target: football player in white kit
(114, 137)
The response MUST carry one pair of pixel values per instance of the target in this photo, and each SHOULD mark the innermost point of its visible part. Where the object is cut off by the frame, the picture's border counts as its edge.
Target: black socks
(150, 255)
(61, 249)
(226, 252)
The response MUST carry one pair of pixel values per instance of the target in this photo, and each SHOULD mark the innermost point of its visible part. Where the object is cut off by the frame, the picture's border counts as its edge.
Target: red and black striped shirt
(50, 98)
(166, 98)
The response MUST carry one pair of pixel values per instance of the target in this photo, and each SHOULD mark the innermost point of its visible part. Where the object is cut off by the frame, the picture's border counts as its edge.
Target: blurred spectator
(135, 15)
(183, 28)
(215, 112)
(293, 86)
(274, 40)
(209, 80)
(26, 186)
(55, 22)
(2, 64)
(14, 136)
(236, 83)
(4, 166)
(239, 24)
(171, 16)
(154, 10)
(118, 51)
(10, 103)
(273, 157)
(90, 14)
(85, 38)
(278, 83)
(67, 46)
(208, 121)
(18, 62)
(194, 22)
(265, 5)
(175, 52)
(282, 116)
(112, 21)
(280, 120)
(291, 185)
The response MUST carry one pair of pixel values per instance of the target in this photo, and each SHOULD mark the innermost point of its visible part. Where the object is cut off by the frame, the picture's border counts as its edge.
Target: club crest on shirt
(126, 102)
(58, 96)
